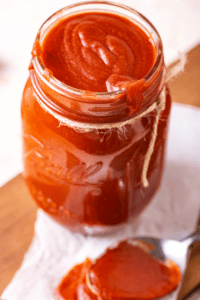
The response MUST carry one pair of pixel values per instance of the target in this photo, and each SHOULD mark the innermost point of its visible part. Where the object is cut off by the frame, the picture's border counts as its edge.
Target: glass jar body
(89, 181)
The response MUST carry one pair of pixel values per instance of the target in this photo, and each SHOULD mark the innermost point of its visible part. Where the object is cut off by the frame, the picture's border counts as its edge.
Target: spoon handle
(193, 237)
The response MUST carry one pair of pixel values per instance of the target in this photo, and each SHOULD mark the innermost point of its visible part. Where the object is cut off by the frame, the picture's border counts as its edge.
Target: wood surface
(18, 211)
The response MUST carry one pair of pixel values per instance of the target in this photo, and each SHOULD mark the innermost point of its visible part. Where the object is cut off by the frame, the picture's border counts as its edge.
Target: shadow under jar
(83, 149)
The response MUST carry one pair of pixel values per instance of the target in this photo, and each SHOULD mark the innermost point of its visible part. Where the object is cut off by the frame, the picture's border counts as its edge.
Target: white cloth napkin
(172, 213)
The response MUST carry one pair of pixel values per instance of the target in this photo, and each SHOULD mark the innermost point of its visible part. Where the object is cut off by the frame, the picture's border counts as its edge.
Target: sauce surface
(125, 272)
(98, 52)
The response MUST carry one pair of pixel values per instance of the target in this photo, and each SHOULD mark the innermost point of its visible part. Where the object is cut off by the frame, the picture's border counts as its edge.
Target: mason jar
(83, 151)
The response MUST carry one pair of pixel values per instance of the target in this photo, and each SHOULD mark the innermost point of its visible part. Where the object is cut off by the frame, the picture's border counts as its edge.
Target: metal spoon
(172, 249)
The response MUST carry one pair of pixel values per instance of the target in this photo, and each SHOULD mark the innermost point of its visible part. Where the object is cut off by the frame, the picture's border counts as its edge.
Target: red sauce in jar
(92, 51)
(93, 179)
(124, 272)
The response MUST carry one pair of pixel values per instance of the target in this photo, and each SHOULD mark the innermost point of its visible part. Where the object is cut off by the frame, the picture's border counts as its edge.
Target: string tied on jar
(158, 106)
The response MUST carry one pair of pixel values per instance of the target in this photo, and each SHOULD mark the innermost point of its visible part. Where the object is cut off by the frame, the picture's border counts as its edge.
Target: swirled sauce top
(98, 52)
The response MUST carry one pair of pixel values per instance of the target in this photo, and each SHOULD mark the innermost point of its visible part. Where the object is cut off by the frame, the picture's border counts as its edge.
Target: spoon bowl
(164, 249)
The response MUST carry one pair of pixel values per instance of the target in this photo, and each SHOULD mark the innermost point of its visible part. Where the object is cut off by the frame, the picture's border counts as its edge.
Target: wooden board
(18, 211)
(17, 217)
(186, 87)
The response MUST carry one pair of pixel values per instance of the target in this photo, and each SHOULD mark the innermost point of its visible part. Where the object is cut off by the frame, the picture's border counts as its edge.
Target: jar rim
(63, 88)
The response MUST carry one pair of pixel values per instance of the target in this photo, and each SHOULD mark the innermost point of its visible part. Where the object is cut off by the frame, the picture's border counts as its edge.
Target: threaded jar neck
(95, 107)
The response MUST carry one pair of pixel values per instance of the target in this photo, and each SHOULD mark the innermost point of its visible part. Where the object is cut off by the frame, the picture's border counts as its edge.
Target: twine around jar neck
(158, 106)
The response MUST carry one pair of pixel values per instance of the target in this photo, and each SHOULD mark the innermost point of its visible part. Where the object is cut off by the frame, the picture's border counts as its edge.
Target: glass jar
(90, 180)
